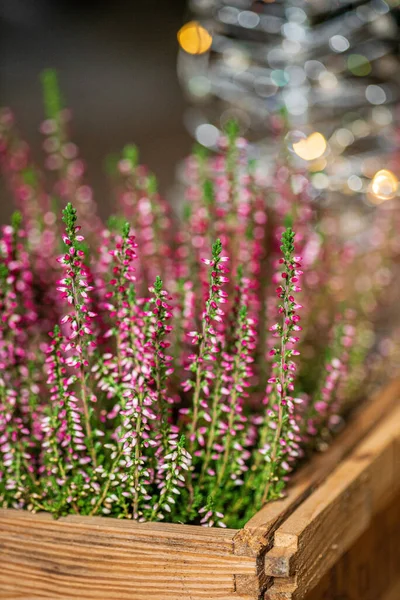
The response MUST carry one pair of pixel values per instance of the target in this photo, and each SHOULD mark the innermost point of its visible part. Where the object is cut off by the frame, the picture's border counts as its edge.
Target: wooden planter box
(341, 514)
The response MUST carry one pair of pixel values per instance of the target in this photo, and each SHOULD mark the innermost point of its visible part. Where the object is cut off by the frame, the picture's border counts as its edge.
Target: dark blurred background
(117, 67)
(118, 62)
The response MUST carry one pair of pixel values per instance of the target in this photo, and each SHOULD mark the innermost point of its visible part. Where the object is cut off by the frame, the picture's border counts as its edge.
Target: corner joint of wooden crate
(282, 589)
(279, 562)
(248, 543)
(252, 543)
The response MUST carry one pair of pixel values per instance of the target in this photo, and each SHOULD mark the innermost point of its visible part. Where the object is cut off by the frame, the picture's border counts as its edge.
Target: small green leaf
(216, 249)
(158, 284)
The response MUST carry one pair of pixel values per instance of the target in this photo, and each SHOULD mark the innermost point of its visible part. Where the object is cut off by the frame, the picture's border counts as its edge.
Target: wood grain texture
(95, 558)
(370, 570)
(326, 525)
(394, 593)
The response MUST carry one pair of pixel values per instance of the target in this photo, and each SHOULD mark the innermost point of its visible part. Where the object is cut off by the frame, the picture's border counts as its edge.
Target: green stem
(138, 448)
(107, 486)
(282, 379)
(84, 391)
(228, 441)
(197, 388)
(213, 428)
(86, 413)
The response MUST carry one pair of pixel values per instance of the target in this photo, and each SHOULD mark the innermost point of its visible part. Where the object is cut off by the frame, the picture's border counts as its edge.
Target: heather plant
(162, 370)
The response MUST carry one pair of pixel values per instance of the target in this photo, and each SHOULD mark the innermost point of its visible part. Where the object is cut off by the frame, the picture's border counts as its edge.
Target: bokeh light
(248, 19)
(207, 135)
(339, 43)
(375, 94)
(297, 67)
(312, 147)
(384, 185)
(359, 65)
(194, 39)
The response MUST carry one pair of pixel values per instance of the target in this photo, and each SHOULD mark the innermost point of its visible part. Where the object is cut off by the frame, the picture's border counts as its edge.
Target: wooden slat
(394, 593)
(326, 525)
(371, 568)
(93, 558)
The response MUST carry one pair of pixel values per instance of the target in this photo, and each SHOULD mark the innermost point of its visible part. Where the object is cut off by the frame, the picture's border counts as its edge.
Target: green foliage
(51, 94)
(208, 192)
(16, 220)
(216, 249)
(125, 230)
(232, 130)
(201, 153)
(131, 153)
(287, 246)
(158, 285)
(111, 164)
(152, 185)
(69, 216)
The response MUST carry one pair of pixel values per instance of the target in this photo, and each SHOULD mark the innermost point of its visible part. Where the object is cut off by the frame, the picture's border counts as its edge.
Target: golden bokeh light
(312, 147)
(384, 185)
(194, 39)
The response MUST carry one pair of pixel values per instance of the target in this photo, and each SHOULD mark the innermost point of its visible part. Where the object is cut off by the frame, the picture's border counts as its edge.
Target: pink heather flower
(80, 325)
(209, 343)
(64, 445)
(20, 409)
(92, 421)
(161, 314)
(210, 517)
(280, 422)
(230, 454)
(173, 467)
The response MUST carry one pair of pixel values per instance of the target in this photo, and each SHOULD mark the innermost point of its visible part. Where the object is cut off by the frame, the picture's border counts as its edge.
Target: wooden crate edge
(325, 525)
(99, 557)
